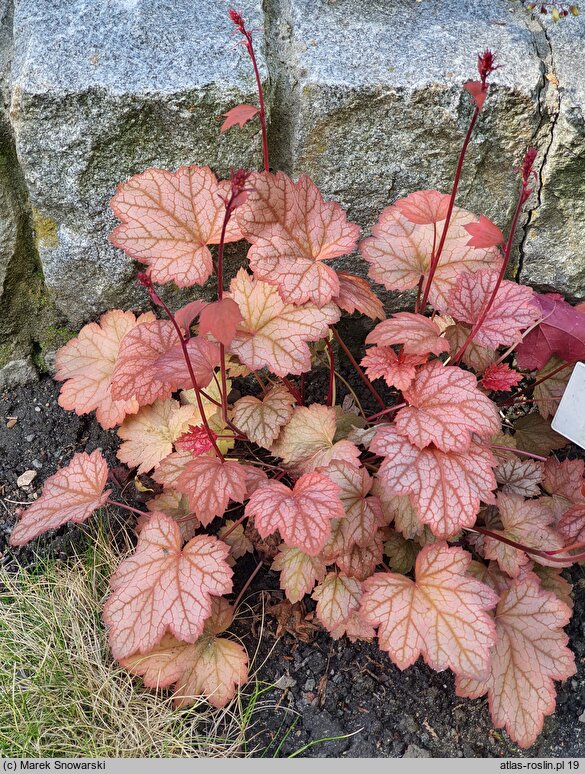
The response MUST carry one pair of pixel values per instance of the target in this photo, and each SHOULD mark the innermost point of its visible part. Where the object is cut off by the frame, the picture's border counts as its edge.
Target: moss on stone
(45, 230)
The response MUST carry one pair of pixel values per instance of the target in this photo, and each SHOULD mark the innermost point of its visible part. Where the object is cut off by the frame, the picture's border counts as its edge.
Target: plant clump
(437, 523)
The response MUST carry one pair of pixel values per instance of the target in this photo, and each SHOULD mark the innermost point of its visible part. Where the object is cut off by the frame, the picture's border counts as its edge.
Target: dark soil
(325, 689)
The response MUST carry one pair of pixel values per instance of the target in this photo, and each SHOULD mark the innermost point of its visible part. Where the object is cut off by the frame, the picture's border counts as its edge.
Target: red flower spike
(485, 65)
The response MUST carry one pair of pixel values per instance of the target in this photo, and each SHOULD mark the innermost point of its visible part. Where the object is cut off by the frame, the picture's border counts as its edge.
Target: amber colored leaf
(446, 487)
(446, 409)
(565, 478)
(221, 319)
(354, 628)
(397, 370)
(441, 615)
(475, 356)
(239, 116)
(551, 580)
(301, 515)
(237, 539)
(176, 506)
(363, 514)
(520, 477)
(424, 207)
(212, 666)
(484, 233)
(361, 561)
(162, 588)
(169, 469)
(210, 484)
(86, 365)
(274, 334)
(262, 420)
(356, 295)
(290, 251)
(149, 435)
(399, 510)
(298, 572)
(419, 335)
(511, 312)
(168, 219)
(499, 377)
(307, 441)
(534, 434)
(337, 597)
(401, 552)
(529, 654)
(151, 365)
(71, 494)
(399, 253)
(548, 394)
(526, 522)
(572, 524)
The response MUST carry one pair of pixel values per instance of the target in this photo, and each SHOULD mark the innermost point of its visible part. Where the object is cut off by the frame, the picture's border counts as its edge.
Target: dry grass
(61, 695)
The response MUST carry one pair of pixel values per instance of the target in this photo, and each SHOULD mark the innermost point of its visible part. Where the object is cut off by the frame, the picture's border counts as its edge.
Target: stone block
(101, 91)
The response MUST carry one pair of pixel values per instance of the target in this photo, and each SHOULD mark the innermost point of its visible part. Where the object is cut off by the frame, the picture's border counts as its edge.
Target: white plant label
(570, 417)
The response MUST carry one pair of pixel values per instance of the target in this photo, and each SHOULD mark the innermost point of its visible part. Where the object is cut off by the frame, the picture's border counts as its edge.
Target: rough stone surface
(554, 249)
(376, 107)
(102, 91)
(364, 97)
(17, 372)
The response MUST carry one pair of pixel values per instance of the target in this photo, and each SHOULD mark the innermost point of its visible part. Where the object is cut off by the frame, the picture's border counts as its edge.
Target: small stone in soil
(25, 479)
(29, 438)
(37, 464)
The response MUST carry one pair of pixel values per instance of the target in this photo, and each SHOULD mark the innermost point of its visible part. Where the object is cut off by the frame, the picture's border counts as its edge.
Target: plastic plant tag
(570, 417)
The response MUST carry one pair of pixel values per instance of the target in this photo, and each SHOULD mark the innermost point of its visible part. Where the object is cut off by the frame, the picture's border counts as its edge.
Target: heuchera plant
(438, 524)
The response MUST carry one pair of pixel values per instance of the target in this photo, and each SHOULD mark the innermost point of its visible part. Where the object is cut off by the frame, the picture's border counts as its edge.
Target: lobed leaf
(308, 441)
(399, 253)
(529, 654)
(274, 334)
(162, 587)
(86, 365)
(148, 436)
(288, 249)
(561, 333)
(168, 219)
(212, 666)
(262, 420)
(151, 364)
(446, 409)
(397, 370)
(441, 615)
(301, 515)
(298, 572)
(446, 487)
(511, 312)
(210, 484)
(418, 334)
(71, 494)
(355, 295)
(337, 597)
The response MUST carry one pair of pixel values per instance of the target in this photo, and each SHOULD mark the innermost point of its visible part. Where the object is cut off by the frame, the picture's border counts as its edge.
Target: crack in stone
(549, 105)
(284, 78)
